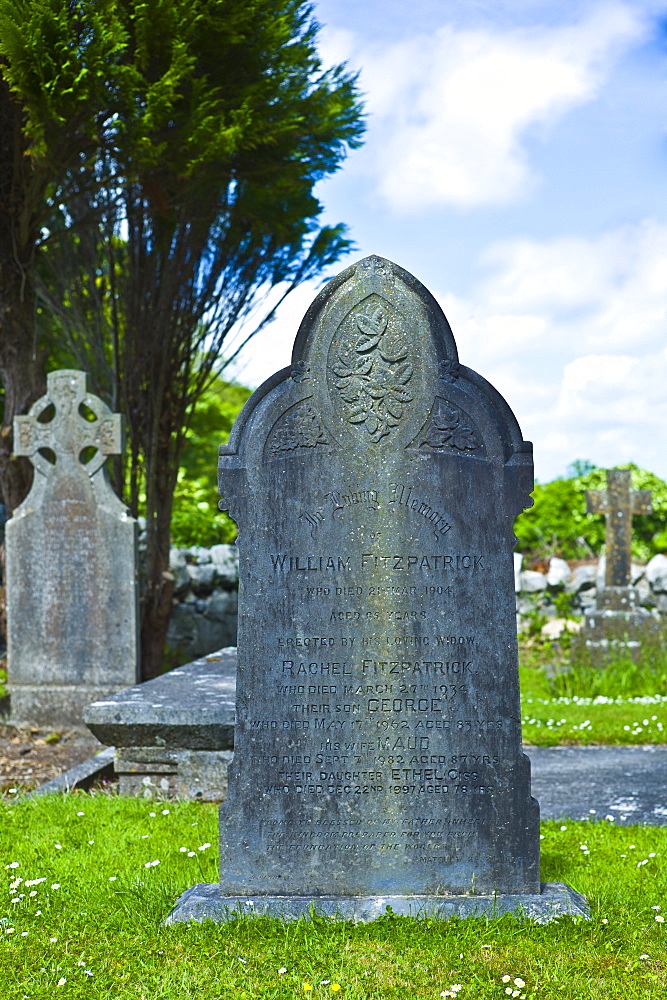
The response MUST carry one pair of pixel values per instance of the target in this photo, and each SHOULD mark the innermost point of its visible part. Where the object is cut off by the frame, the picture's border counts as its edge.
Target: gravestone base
(615, 627)
(55, 705)
(159, 773)
(204, 902)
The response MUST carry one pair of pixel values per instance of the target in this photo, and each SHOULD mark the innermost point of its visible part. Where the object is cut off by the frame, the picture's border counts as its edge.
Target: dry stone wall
(205, 601)
(578, 583)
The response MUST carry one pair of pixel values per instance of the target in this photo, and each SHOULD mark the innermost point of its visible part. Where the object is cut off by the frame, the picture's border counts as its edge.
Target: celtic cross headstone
(616, 624)
(71, 575)
(377, 755)
(618, 503)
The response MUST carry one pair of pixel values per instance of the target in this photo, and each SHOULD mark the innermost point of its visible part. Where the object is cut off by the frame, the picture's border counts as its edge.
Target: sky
(516, 163)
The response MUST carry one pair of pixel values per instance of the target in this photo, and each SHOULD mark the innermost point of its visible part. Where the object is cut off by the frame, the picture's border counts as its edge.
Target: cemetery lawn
(626, 704)
(94, 875)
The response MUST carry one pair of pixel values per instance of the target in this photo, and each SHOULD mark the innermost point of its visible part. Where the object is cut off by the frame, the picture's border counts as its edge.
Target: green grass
(94, 925)
(566, 700)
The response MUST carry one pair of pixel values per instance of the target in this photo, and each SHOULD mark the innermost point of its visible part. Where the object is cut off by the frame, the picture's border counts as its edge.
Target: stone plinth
(554, 899)
(378, 736)
(71, 580)
(174, 735)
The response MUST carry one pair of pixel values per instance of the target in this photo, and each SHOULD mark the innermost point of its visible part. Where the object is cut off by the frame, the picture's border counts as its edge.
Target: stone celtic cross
(618, 503)
(68, 434)
(71, 569)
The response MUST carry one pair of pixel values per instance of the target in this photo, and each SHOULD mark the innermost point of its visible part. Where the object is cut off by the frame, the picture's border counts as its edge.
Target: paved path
(628, 783)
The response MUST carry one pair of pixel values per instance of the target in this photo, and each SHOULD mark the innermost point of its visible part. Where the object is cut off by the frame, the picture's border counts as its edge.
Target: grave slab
(70, 544)
(174, 735)
(378, 753)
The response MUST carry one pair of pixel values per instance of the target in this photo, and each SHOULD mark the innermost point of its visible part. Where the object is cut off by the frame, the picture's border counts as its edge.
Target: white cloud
(450, 112)
(573, 333)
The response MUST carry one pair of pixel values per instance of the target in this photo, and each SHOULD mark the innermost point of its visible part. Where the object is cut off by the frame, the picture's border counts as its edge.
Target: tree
(60, 59)
(197, 200)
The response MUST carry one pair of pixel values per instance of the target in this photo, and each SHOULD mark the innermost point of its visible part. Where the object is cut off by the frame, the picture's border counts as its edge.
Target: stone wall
(575, 587)
(205, 601)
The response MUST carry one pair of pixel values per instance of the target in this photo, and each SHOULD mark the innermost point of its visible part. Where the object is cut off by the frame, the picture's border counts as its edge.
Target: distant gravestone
(71, 586)
(378, 750)
(618, 618)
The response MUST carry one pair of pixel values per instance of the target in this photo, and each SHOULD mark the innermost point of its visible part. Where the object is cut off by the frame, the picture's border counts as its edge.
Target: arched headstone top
(375, 373)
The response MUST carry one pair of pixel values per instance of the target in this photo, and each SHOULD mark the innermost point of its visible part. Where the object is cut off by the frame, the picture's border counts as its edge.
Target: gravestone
(618, 618)
(378, 755)
(71, 582)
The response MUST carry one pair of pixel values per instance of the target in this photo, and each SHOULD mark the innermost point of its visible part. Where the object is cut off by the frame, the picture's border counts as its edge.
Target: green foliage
(196, 519)
(3, 681)
(558, 524)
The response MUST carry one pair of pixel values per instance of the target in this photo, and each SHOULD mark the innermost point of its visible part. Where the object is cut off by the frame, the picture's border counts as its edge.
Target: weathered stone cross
(68, 434)
(618, 503)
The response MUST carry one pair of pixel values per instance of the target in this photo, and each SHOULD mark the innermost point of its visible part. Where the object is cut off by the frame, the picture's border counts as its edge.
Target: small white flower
(38, 913)
(9, 930)
(192, 854)
(657, 907)
(165, 812)
(13, 864)
(652, 854)
(53, 940)
(79, 814)
(563, 828)
(204, 847)
(660, 919)
(24, 933)
(151, 814)
(282, 971)
(324, 982)
(87, 972)
(519, 982)
(56, 885)
(62, 981)
(91, 841)
(33, 893)
(144, 835)
(505, 979)
(81, 963)
(508, 990)
(58, 847)
(604, 920)
(112, 878)
(643, 956)
(183, 850)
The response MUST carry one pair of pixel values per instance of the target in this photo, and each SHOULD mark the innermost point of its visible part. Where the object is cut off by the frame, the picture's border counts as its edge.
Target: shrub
(558, 524)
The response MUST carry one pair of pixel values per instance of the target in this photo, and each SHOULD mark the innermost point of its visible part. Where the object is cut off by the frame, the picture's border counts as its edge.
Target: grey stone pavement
(628, 783)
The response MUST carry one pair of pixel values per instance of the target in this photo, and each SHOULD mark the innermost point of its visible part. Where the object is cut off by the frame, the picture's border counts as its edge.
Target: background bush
(558, 524)
(196, 519)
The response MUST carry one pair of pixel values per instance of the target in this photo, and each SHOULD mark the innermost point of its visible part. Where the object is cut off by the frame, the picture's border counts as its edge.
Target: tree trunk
(156, 601)
(21, 362)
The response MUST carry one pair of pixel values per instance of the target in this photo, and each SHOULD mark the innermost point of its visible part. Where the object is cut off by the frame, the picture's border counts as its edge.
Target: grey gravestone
(618, 618)
(71, 586)
(378, 750)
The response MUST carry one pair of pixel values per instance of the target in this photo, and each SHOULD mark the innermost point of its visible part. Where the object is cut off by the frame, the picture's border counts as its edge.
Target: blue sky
(516, 163)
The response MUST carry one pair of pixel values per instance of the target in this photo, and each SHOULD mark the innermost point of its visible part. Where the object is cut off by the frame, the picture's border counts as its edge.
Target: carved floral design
(449, 428)
(300, 372)
(300, 428)
(448, 370)
(372, 376)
